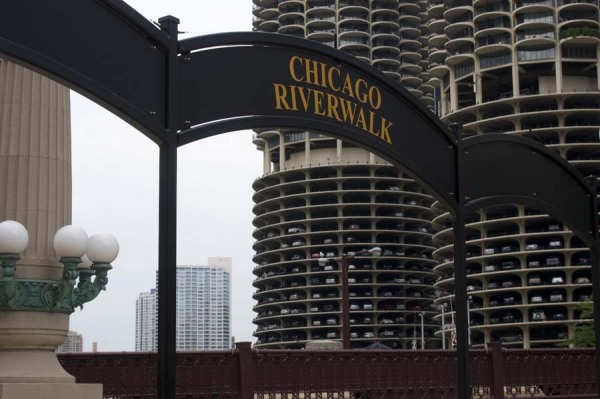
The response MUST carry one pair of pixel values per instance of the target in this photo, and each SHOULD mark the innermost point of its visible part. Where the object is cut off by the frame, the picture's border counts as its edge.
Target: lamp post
(422, 316)
(469, 300)
(35, 312)
(376, 251)
(442, 308)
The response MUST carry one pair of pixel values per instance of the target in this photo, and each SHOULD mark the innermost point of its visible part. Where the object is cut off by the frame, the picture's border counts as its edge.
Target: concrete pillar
(598, 67)
(282, 151)
(307, 149)
(35, 179)
(267, 168)
(453, 92)
(35, 163)
(558, 69)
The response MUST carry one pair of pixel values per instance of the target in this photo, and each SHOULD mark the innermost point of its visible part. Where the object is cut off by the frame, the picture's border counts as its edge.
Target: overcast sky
(115, 189)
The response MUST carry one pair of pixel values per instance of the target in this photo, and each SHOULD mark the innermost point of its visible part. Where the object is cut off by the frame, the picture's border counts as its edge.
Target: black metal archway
(177, 92)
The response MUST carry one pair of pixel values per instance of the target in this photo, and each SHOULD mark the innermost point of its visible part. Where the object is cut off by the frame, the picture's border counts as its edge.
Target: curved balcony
(389, 43)
(575, 7)
(353, 5)
(409, 7)
(534, 21)
(412, 20)
(437, 26)
(437, 40)
(457, 57)
(266, 3)
(436, 11)
(319, 5)
(386, 56)
(438, 55)
(327, 211)
(269, 26)
(439, 70)
(533, 6)
(384, 4)
(459, 13)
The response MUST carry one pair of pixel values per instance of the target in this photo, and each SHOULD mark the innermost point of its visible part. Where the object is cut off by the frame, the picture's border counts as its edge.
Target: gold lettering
(361, 121)
(356, 102)
(348, 110)
(311, 72)
(293, 97)
(318, 96)
(385, 132)
(347, 89)
(332, 105)
(304, 98)
(330, 78)
(293, 60)
(280, 94)
(371, 123)
(375, 104)
(361, 95)
(323, 74)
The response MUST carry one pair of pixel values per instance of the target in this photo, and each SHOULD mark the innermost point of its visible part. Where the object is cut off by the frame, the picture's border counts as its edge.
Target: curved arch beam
(499, 167)
(291, 82)
(331, 129)
(117, 38)
(557, 213)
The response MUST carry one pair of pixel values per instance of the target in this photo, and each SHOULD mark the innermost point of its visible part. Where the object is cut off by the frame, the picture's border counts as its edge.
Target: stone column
(35, 190)
(35, 163)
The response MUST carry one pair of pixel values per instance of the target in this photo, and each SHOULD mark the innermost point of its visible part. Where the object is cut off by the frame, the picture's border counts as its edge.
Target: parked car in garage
(538, 315)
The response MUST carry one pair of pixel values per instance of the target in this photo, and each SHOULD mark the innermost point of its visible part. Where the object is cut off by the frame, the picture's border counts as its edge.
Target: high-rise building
(73, 343)
(319, 195)
(502, 66)
(146, 313)
(527, 68)
(203, 309)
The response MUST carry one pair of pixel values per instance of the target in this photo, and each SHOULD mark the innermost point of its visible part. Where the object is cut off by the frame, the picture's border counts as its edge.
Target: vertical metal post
(246, 370)
(422, 315)
(460, 276)
(345, 304)
(167, 224)
(443, 327)
(469, 318)
(497, 370)
(595, 260)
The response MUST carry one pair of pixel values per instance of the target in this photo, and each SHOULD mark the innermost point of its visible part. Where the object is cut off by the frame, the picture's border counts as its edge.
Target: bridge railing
(247, 373)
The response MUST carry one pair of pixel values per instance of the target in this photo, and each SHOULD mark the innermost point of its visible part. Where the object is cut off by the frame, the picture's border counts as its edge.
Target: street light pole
(443, 327)
(376, 251)
(345, 303)
(469, 300)
(422, 315)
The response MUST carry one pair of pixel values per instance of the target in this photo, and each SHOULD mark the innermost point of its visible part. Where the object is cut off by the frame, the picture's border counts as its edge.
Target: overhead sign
(177, 92)
(220, 84)
(287, 83)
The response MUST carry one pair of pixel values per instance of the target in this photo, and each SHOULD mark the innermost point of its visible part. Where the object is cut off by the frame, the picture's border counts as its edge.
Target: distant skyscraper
(203, 309)
(73, 343)
(145, 322)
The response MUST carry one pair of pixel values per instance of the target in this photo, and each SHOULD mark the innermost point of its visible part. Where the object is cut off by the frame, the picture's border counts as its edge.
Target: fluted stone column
(35, 190)
(35, 163)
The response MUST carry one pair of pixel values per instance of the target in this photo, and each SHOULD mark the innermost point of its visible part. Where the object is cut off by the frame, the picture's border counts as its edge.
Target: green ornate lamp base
(61, 296)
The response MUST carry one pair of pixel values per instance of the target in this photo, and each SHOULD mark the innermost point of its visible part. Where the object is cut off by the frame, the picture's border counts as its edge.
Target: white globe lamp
(102, 248)
(70, 242)
(13, 237)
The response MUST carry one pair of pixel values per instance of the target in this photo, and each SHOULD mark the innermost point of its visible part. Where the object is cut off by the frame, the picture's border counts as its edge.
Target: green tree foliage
(584, 332)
